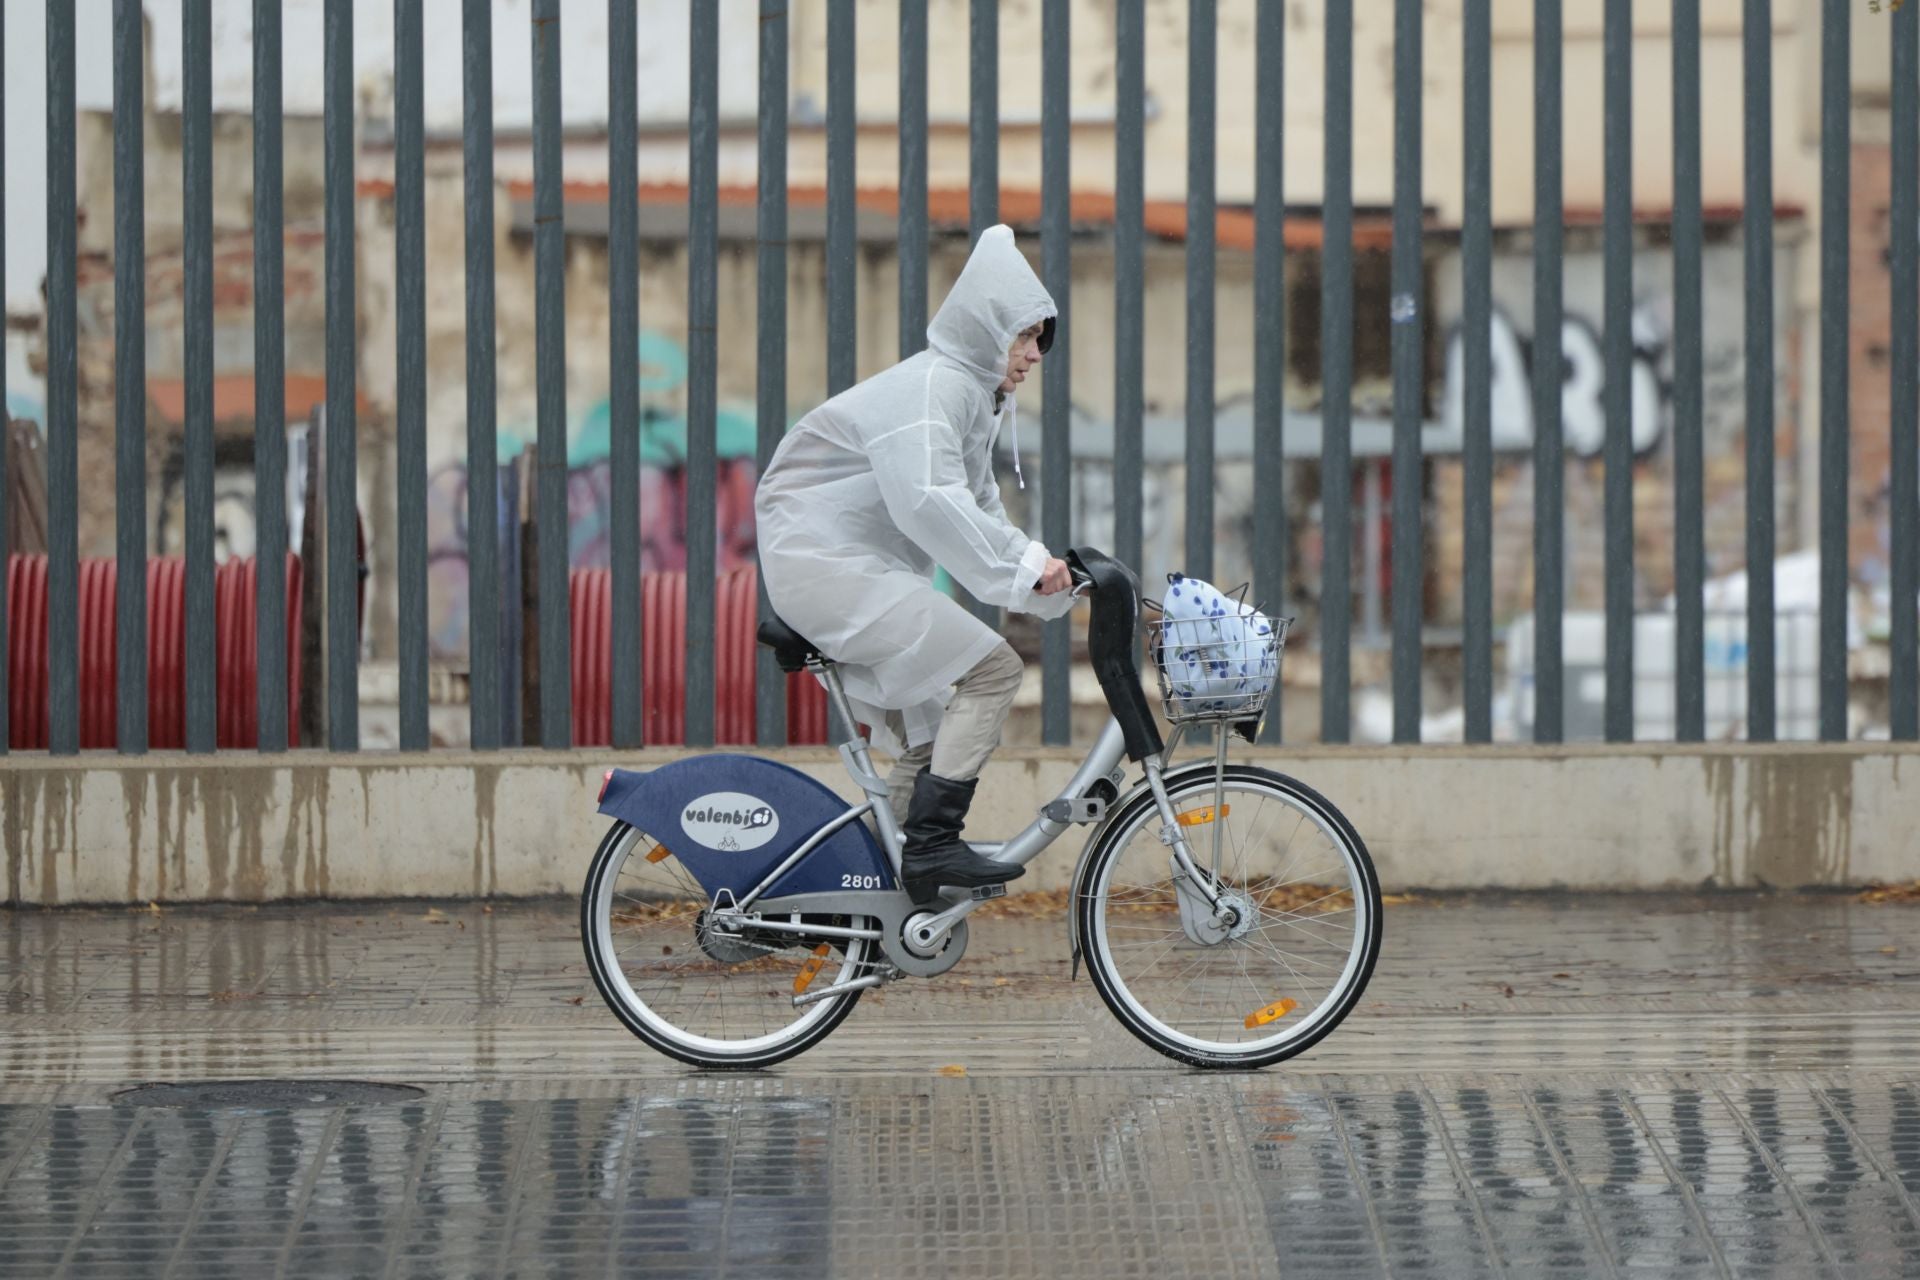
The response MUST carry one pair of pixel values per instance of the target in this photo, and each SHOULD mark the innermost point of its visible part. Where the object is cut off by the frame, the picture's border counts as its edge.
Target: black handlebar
(1076, 571)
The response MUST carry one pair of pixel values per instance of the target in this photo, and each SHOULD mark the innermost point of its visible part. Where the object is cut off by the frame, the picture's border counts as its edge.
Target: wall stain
(133, 807)
(13, 829)
(307, 830)
(1781, 820)
(54, 785)
(11, 783)
(1720, 779)
(247, 796)
(1799, 819)
(216, 831)
(486, 850)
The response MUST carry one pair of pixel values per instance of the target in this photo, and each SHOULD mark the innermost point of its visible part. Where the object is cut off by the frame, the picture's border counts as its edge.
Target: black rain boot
(934, 853)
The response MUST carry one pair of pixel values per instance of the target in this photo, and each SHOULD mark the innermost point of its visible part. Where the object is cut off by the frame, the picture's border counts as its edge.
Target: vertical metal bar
(913, 176)
(1617, 268)
(410, 365)
(1129, 237)
(983, 167)
(196, 91)
(1836, 127)
(129, 378)
(1372, 552)
(1270, 328)
(1408, 356)
(63, 510)
(1690, 556)
(1903, 453)
(6, 424)
(1476, 278)
(770, 690)
(1549, 468)
(1336, 378)
(841, 319)
(1757, 237)
(1202, 56)
(983, 116)
(485, 713)
(550, 383)
(623, 361)
(703, 206)
(1056, 251)
(342, 515)
(269, 384)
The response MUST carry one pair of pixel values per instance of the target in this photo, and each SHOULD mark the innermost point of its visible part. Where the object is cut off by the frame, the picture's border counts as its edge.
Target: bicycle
(737, 909)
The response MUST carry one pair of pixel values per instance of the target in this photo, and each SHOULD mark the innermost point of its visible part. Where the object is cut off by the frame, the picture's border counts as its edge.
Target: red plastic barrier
(27, 652)
(166, 654)
(236, 611)
(236, 673)
(663, 661)
(99, 658)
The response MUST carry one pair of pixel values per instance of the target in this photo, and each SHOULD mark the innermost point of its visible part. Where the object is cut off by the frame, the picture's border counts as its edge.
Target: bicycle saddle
(790, 649)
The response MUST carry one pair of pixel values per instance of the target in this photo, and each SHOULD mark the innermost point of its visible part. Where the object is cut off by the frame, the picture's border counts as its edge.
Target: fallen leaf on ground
(578, 1000)
(1563, 975)
(954, 1070)
(1507, 991)
(1880, 893)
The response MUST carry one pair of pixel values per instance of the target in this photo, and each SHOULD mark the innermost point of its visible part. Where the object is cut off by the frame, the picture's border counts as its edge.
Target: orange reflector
(605, 778)
(660, 853)
(811, 969)
(1272, 1013)
(1199, 817)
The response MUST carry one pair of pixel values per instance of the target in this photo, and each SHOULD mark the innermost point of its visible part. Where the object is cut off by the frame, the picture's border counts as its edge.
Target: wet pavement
(1704, 1086)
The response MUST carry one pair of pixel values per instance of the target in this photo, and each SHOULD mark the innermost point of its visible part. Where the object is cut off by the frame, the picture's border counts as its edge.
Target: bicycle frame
(1130, 731)
(1103, 763)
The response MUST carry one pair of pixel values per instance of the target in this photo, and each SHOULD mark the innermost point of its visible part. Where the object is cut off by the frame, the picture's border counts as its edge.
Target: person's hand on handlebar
(1055, 577)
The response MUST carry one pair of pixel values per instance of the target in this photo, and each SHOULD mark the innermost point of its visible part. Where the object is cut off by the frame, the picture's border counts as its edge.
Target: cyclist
(872, 490)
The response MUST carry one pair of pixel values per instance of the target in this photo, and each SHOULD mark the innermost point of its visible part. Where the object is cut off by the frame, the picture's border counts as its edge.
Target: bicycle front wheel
(1275, 971)
(705, 995)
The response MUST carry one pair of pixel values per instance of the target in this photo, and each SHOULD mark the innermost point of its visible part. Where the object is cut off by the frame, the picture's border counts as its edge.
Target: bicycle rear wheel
(1295, 960)
(703, 994)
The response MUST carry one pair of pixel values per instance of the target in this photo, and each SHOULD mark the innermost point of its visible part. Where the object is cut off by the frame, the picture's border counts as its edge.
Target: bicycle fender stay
(1114, 810)
(732, 819)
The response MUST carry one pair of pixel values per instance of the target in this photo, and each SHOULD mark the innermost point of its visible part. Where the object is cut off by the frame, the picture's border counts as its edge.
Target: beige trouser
(969, 728)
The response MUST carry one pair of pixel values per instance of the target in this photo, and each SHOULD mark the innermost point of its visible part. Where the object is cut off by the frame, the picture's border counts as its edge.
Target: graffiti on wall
(662, 496)
(663, 544)
(1583, 414)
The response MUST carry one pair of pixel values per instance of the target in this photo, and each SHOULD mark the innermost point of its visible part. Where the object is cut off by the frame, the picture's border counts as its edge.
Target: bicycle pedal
(981, 893)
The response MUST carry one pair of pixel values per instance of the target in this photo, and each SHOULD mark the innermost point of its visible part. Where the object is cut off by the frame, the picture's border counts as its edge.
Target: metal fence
(1409, 324)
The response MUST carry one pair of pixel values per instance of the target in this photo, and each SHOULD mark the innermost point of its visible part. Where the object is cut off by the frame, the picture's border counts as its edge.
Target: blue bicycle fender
(731, 819)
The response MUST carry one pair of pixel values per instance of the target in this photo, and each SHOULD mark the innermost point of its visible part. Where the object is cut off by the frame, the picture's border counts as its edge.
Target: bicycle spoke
(1294, 884)
(704, 988)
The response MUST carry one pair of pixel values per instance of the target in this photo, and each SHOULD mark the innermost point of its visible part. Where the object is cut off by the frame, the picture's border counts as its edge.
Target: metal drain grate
(277, 1094)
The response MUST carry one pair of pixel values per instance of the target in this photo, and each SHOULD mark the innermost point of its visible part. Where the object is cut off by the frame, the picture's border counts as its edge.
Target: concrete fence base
(174, 828)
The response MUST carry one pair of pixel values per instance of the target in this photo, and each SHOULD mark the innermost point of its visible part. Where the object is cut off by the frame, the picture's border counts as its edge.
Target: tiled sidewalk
(1715, 1086)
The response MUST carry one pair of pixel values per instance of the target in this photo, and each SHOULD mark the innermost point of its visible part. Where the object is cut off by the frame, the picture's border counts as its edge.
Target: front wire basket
(1213, 673)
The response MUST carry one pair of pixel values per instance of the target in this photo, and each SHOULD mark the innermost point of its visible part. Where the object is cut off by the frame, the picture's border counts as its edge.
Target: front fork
(1208, 915)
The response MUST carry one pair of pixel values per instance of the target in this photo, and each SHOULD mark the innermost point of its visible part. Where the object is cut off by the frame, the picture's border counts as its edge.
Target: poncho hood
(996, 296)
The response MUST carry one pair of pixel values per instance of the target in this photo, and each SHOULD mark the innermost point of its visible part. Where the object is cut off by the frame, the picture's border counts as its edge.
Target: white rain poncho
(872, 490)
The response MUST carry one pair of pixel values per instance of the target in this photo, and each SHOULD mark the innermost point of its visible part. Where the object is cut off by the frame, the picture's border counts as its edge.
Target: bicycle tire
(1115, 837)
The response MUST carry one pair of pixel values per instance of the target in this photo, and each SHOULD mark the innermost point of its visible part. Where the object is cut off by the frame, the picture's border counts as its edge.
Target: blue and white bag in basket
(1218, 655)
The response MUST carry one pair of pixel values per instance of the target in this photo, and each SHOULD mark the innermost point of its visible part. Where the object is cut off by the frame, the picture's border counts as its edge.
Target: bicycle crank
(924, 949)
